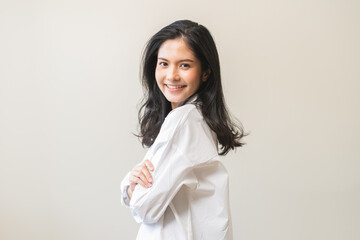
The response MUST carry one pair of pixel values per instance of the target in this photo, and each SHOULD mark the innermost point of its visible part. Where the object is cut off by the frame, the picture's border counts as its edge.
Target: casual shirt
(189, 196)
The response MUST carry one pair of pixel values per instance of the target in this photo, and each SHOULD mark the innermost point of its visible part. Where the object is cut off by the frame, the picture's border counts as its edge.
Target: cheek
(158, 75)
(193, 78)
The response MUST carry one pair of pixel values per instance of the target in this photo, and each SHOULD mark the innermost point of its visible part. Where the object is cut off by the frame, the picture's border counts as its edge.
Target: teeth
(174, 87)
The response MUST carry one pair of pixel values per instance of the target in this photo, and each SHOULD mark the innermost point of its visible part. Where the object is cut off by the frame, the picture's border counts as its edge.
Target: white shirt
(189, 197)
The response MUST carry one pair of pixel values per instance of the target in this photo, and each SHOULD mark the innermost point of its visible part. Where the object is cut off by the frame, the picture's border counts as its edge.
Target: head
(166, 69)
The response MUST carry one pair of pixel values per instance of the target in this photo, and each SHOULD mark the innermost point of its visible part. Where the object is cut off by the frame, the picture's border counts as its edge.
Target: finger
(134, 179)
(147, 174)
(144, 179)
(138, 174)
(142, 176)
(149, 165)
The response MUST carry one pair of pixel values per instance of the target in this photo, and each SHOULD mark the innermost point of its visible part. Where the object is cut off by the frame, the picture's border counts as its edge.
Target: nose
(172, 74)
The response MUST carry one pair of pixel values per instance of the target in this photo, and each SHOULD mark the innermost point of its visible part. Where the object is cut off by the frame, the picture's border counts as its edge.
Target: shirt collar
(191, 99)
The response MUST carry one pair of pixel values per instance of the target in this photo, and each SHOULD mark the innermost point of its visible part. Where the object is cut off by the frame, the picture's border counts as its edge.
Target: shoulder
(186, 116)
(175, 121)
(183, 111)
(183, 114)
(190, 134)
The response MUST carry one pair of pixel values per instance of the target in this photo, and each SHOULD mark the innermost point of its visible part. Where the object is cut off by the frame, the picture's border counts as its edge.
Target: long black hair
(210, 98)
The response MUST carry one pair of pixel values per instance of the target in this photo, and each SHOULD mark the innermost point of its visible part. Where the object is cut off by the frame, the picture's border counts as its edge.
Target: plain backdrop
(70, 91)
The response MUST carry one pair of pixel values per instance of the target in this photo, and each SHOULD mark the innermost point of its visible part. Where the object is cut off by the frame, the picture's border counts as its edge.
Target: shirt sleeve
(125, 183)
(174, 158)
(125, 199)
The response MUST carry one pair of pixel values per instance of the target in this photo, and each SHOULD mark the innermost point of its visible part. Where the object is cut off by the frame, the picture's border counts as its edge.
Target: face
(178, 72)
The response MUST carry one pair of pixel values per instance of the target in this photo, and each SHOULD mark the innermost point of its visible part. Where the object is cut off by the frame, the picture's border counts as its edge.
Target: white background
(69, 94)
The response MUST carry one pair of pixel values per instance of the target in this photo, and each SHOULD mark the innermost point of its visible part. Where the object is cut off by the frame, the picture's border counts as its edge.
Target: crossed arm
(140, 174)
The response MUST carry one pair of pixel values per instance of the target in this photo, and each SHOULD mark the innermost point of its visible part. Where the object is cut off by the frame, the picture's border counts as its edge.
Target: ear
(205, 75)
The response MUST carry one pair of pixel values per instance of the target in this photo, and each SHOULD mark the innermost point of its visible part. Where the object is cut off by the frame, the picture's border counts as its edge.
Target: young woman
(180, 190)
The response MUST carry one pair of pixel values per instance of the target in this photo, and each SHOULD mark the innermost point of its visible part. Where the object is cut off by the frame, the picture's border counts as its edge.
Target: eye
(185, 65)
(163, 64)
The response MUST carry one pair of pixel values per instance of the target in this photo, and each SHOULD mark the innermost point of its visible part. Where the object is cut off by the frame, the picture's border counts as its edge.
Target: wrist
(129, 192)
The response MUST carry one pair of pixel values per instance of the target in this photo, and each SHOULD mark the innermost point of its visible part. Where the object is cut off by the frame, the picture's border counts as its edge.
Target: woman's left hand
(140, 175)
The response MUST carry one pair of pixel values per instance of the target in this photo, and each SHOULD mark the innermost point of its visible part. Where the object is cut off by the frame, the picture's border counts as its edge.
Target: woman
(180, 190)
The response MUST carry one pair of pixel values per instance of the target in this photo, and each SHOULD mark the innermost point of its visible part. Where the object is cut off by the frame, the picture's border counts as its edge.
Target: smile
(175, 86)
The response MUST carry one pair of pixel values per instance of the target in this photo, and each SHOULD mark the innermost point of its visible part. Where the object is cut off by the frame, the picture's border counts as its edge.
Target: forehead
(175, 48)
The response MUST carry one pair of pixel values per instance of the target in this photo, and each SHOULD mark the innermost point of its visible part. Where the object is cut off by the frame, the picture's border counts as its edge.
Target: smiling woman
(180, 189)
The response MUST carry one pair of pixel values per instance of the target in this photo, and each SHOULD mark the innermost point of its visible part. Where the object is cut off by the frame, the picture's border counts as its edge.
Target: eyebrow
(182, 60)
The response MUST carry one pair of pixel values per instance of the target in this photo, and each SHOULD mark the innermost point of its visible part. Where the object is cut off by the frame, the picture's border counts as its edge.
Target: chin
(175, 100)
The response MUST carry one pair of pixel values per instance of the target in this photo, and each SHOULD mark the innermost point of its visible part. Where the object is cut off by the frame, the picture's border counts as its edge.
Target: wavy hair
(155, 106)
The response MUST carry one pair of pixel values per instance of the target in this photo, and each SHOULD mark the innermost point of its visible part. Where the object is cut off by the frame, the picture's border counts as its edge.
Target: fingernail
(150, 179)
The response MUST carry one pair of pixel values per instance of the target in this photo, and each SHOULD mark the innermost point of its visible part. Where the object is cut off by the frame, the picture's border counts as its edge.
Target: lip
(174, 89)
